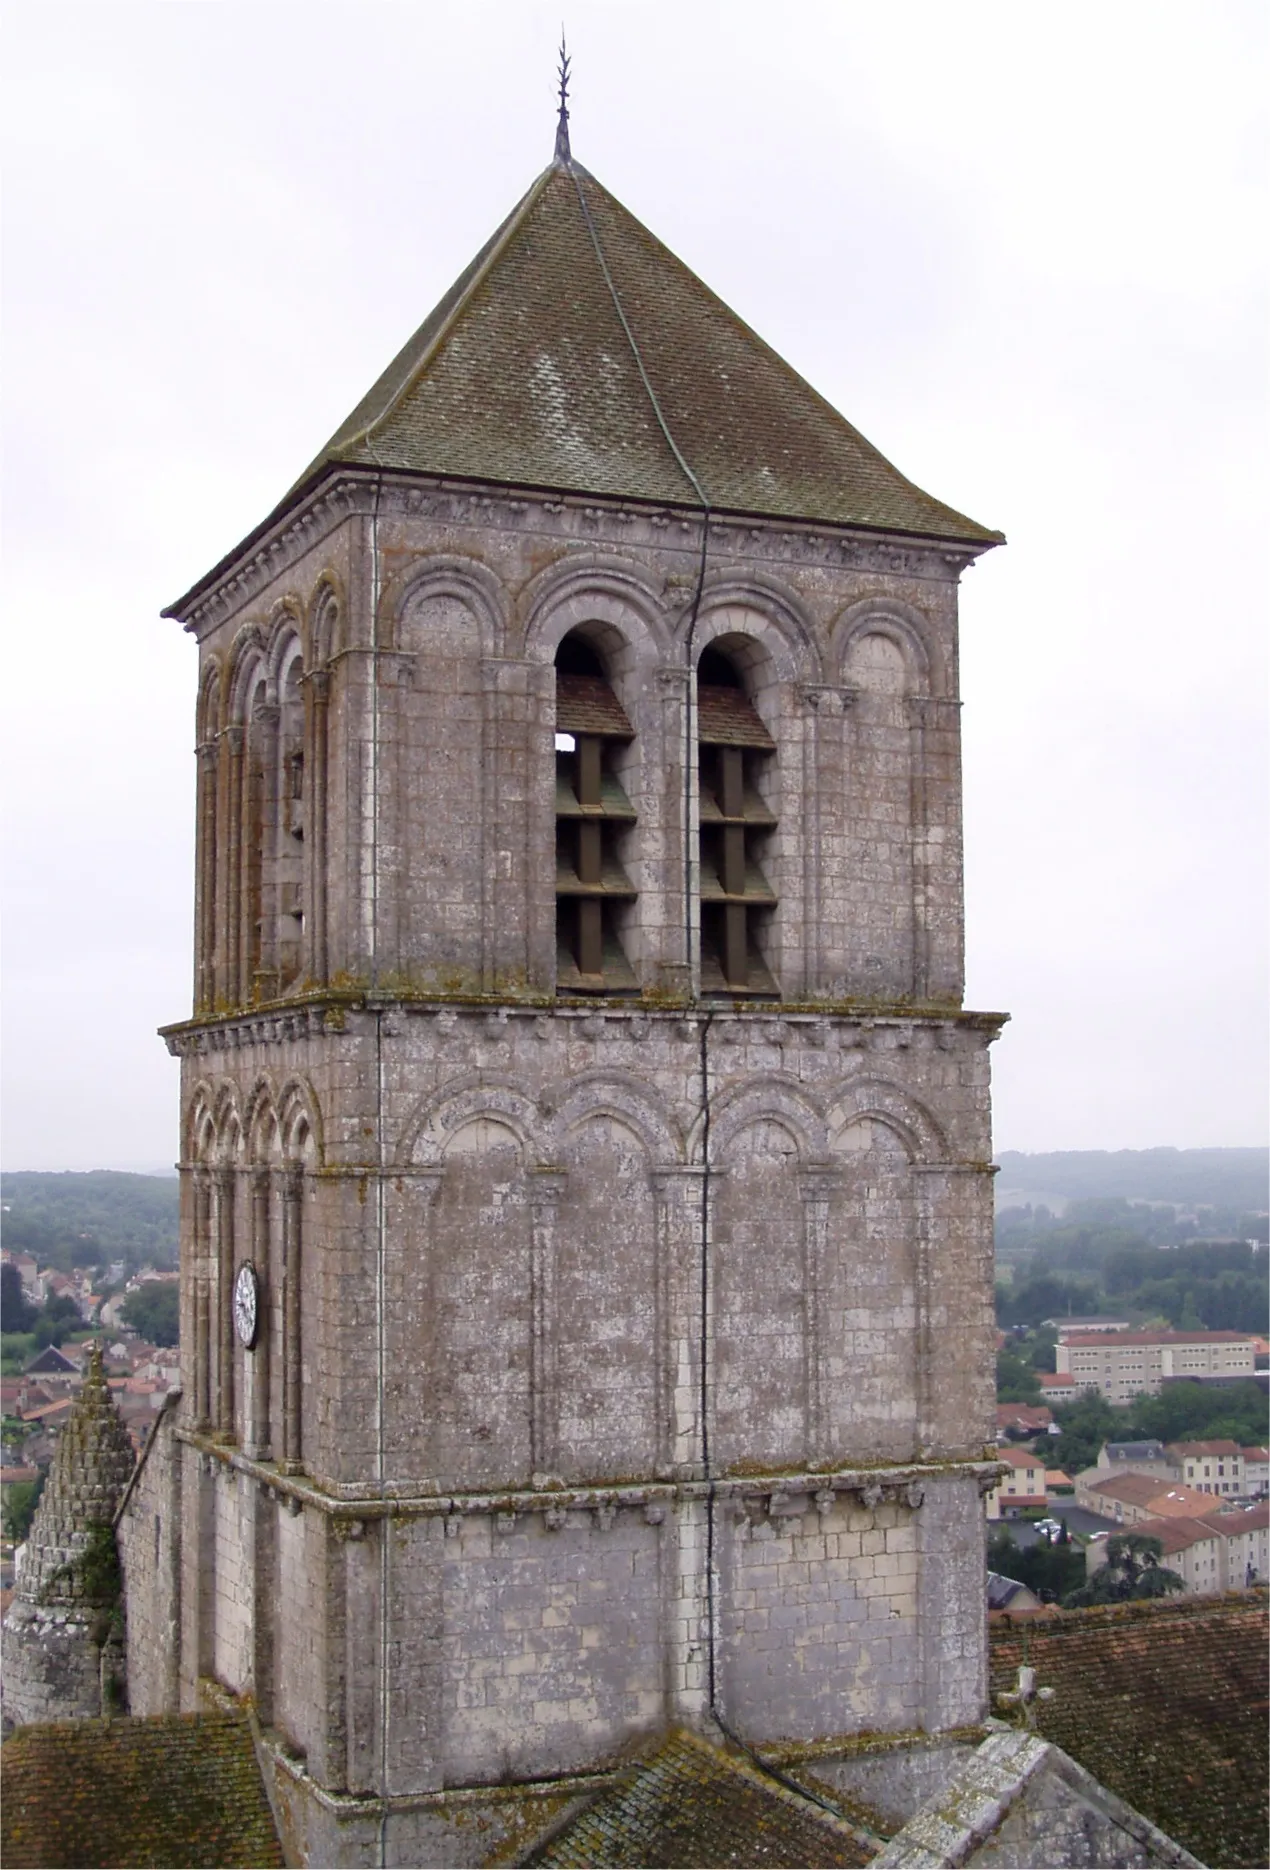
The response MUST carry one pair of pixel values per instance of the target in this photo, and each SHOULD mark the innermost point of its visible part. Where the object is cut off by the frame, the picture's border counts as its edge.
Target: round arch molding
(570, 595)
(880, 1101)
(902, 624)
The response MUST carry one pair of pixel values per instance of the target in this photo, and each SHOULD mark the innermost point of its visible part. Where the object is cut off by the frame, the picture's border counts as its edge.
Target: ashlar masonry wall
(524, 1299)
(508, 1329)
(616, 1357)
(427, 738)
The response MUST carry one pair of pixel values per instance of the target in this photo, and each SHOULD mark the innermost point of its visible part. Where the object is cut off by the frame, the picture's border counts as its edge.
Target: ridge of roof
(1163, 1700)
(690, 1801)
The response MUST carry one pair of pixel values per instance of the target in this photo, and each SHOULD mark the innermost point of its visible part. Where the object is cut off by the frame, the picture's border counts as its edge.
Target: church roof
(1164, 1701)
(528, 373)
(691, 1803)
(172, 1789)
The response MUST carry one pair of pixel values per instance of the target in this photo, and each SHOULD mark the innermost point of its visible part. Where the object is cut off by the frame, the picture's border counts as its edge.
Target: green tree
(1016, 1378)
(60, 1317)
(1086, 1424)
(1044, 1297)
(1041, 1344)
(1052, 1571)
(16, 1311)
(1201, 1412)
(19, 1507)
(17, 1348)
(89, 1219)
(153, 1311)
(1132, 1570)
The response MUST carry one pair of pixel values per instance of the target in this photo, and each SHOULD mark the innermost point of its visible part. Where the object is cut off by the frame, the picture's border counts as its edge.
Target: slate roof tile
(585, 704)
(177, 1789)
(691, 1803)
(1165, 1702)
(725, 718)
(523, 374)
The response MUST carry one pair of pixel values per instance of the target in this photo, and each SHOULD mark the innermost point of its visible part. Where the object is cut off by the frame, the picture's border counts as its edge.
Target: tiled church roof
(179, 1789)
(1165, 1703)
(523, 374)
(692, 1803)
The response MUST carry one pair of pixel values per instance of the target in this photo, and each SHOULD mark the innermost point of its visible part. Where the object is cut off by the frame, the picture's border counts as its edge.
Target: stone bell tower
(586, 1267)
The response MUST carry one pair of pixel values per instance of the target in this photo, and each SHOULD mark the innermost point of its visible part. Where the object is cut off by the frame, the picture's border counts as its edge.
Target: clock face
(246, 1305)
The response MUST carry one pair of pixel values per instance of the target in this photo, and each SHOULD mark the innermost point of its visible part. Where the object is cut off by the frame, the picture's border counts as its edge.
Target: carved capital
(816, 1180)
(825, 697)
(673, 675)
(547, 1184)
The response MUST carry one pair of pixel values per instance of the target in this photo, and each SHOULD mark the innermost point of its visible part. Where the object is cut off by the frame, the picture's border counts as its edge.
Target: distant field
(106, 1215)
(93, 1218)
(1189, 1178)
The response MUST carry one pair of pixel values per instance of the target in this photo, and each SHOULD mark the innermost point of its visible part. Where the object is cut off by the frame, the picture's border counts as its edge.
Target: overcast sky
(1020, 247)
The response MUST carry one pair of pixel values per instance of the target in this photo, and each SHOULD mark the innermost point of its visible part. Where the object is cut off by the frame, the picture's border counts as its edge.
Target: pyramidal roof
(569, 347)
(577, 354)
(91, 1466)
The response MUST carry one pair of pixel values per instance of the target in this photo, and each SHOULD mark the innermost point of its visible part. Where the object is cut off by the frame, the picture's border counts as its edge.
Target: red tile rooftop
(1106, 1341)
(1165, 1703)
(1223, 1448)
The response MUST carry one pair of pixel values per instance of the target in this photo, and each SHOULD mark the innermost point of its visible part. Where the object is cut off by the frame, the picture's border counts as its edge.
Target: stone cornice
(775, 1495)
(578, 518)
(229, 590)
(870, 1027)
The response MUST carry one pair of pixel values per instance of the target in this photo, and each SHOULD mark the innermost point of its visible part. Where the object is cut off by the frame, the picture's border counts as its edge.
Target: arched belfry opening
(593, 818)
(735, 755)
(288, 838)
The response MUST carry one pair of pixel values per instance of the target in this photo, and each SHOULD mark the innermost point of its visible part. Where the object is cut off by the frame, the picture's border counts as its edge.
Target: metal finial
(562, 126)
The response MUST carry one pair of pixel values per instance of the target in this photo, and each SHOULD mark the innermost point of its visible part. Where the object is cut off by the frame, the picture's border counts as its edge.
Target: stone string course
(449, 1523)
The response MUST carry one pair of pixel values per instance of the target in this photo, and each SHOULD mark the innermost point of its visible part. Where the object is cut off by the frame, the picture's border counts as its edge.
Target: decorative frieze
(352, 494)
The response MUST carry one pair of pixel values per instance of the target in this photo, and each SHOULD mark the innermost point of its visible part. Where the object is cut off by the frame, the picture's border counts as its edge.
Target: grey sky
(1021, 248)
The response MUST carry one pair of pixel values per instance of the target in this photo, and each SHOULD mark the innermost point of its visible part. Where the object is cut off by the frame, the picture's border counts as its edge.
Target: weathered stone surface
(619, 1357)
(62, 1641)
(1019, 1800)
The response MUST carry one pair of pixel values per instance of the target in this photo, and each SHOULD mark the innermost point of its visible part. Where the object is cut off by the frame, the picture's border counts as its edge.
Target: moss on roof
(691, 1803)
(1165, 1702)
(524, 374)
(174, 1790)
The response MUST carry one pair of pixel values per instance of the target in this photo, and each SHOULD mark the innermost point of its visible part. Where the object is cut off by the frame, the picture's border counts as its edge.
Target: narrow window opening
(735, 751)
(289, 849)
(593, 815)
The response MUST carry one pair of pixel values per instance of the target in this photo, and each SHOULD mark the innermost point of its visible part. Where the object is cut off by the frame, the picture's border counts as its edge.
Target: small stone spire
(562, 125)
(62, 1647)
(91, 1467)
